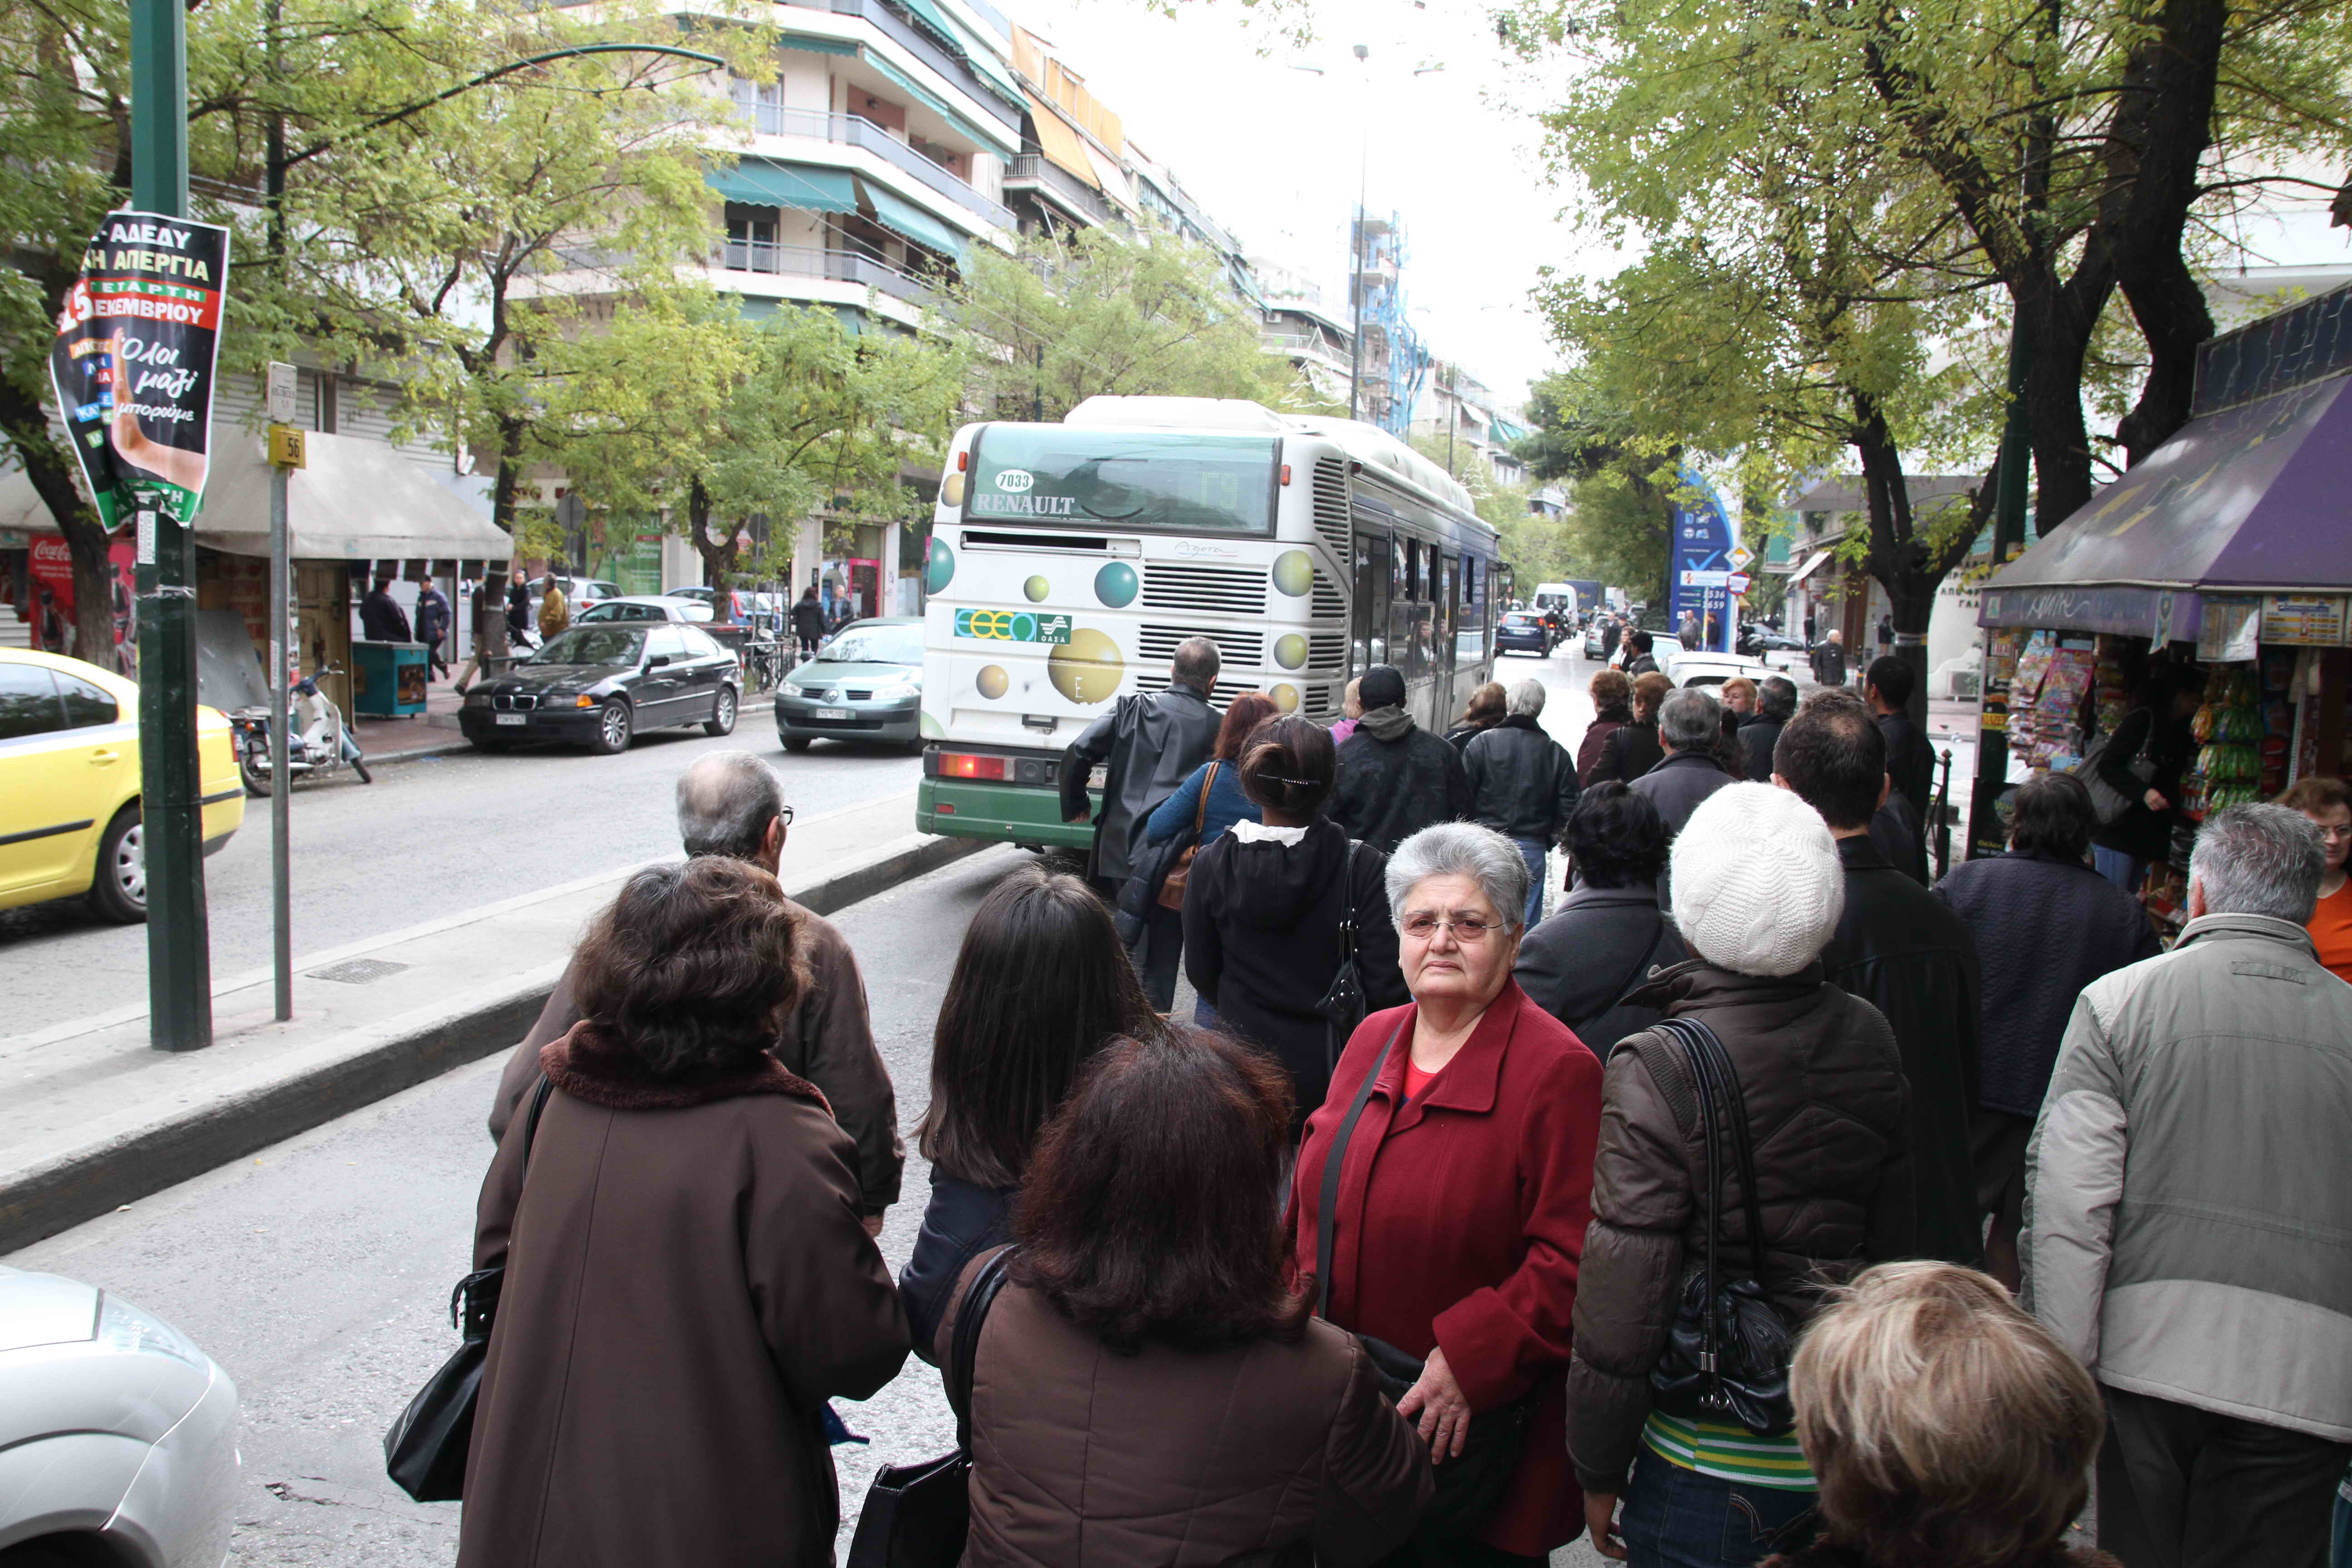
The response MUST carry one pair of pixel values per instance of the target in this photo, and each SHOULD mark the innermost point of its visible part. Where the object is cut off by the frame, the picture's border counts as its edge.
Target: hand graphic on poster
(170, 464)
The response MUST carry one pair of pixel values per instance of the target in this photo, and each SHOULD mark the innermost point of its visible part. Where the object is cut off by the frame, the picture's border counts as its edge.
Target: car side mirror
(654, 661)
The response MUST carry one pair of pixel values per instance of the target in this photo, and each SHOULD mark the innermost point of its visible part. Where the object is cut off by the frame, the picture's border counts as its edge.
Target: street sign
(285, 446)
(1740, 556)
(1716, 578)
(1737, 582)
(281, 393)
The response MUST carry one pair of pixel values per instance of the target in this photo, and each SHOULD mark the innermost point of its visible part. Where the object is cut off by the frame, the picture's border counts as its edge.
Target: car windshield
(875, 644)
(615, 610)
(605, 645)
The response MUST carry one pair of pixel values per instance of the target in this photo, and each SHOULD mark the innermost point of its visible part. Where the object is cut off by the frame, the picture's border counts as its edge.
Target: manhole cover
(358, 971)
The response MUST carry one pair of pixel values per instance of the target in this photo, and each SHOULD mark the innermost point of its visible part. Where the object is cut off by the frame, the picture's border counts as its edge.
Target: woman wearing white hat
(1758, 889)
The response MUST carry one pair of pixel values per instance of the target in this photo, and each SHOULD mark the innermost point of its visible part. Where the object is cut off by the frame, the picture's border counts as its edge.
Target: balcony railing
(807, 261)
(1072, 192)
(854, 130)
(904, 33)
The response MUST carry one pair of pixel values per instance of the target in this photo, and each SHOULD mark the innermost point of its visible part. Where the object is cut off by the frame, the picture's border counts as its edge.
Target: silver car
(865, 684)
(118, 1436)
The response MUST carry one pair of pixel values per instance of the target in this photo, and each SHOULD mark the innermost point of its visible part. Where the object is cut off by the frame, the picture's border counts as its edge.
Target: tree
(1620, 482)
(1077, 315)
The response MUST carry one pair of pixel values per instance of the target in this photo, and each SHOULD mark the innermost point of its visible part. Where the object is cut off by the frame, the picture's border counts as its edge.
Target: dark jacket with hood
(1679, 783)
(1395, 779)
(1582, 964)
(1262, 941)
(1824, 1095)
(1902, 950)
(1522, 783)
(1152, 742)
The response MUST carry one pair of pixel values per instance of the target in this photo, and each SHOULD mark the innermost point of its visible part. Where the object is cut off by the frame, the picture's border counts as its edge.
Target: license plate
(832, 713)
(510, 718)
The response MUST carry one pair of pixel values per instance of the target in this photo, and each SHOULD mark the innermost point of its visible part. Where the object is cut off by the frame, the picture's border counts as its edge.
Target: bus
(1067, 561)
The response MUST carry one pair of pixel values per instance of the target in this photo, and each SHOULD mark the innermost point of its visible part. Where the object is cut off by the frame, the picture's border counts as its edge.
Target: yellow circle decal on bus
(993, 681)
(1294, 572)
(1087, 668)
(1037, 588)
(951, 490)
(1285, 697)
(1290, 651)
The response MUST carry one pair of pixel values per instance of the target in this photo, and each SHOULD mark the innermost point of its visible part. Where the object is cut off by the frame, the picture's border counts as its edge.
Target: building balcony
(850, 130)
(1035, 171)
(807, 261)
(904, 33)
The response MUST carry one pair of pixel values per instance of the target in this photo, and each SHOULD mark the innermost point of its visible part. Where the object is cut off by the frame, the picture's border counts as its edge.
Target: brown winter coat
(1086, 1458)
(689, 1283)
(1825, 1096)
(830, 1044)
(1828, 1554)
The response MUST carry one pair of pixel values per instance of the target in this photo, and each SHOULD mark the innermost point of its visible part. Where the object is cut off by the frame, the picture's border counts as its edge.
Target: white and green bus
(1067, 561)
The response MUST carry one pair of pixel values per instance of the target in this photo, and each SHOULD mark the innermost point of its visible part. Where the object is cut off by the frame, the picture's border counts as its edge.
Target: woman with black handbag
(1442, 1197)
(1752, 1153)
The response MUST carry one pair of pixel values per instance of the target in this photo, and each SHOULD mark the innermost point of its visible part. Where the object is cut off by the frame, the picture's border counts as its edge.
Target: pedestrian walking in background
(808, 622)
(432, 624)
(731, 804)
(1632, 748)
(1460, 1134)
(1690, 729)
(1611, 633)
(380, 617)
(1886, 633)
(2143, 762)
(1737, 698)
(1040, 985)
(1613, 708)
(687, 1281)
(1828, 659)
(518, 608)
(1886, 686)
(1608, 935)
(1638, 661)
(1219, 780)
(554, 609)
(1523, 786)
(1948, 1428)
(1351, 710)
(2188, 1215)
(2329, 803)
(1758, 889)
(1148, 1387)
(1902, 950)
(1688, 629)
(2044, 925)
(1486, 707)
(1395, 777)
(1264, 906)
(487, 608)
(1776, 704)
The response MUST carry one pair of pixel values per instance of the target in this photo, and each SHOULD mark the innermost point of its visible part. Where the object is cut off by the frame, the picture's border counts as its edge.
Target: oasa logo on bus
(1016, 480)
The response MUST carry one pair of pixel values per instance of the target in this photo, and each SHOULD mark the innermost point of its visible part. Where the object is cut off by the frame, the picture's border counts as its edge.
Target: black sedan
(601, 684)
(1523, 631)
(1757, 639)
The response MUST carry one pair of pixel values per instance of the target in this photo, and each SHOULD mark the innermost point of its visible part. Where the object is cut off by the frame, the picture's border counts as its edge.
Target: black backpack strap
(531, 1127)
(1325, 1210)
(964, 1345)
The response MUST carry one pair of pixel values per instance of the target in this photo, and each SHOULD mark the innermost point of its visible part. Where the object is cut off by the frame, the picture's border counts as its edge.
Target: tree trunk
(502, 513)
(717, 558)
(24, 420)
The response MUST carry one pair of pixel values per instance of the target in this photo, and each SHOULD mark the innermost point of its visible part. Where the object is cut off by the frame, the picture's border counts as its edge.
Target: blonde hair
(1650, 688)
(1944, 1424)
(1737, 685)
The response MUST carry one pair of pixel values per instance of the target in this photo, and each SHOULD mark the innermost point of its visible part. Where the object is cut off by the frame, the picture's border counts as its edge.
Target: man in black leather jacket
(1523, 784)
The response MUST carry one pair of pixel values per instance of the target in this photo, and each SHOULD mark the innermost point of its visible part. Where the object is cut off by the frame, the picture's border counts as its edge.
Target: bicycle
(763, 664)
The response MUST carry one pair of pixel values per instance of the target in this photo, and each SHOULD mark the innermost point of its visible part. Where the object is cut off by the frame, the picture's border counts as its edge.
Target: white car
(1702, 668)
(118, 1436)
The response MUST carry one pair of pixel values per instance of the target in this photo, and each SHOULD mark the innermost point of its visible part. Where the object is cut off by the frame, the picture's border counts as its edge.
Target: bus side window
(1371, 607)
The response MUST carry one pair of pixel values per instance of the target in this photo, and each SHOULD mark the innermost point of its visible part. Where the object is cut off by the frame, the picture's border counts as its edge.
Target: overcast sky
(1272, 152)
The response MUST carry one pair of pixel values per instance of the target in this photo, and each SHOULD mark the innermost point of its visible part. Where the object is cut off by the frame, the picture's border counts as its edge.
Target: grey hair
(1690, 719)
(1775, 698)
(2259, 860)
(1527, 700)
(725, 802)
(1461, 849)
(1196, 663)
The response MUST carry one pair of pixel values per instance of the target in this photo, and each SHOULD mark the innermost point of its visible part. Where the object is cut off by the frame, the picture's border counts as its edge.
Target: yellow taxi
(69, 784)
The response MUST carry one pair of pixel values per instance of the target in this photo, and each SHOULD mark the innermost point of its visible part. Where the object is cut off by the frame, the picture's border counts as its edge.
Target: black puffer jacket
(1522, 782)
(1395, 779)
(1824, 1094)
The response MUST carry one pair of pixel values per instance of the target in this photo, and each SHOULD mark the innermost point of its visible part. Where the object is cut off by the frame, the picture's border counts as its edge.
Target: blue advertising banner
(1699, 576)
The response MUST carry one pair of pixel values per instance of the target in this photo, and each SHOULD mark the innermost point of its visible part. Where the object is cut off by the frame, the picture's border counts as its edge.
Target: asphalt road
(432, 837)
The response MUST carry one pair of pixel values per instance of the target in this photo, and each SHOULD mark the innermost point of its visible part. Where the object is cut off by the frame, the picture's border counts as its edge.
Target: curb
(764, 703)
(381, 1061)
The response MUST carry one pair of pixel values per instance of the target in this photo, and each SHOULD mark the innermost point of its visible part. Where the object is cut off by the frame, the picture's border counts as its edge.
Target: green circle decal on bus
(1294, 572)
(1116, 584)
(1037, 588)
(939, 566)
(1290, 650)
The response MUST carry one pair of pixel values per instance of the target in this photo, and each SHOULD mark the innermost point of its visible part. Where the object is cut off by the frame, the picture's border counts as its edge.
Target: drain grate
(358, 971)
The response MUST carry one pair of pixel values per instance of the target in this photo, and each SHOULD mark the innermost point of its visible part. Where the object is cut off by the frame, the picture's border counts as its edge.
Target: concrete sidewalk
(96, 1118)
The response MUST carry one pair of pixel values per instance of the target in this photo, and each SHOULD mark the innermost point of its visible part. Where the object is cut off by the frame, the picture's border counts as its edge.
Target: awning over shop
(768, 183)
(2251, 501)
(1060, 141)
(356, 500)
(1813, 563)
(909, 221)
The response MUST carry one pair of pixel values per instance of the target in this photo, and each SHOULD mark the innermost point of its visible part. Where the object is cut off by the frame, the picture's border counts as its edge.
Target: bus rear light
(963, 462)
(1285, 473)
(945, 809)
(962, 765)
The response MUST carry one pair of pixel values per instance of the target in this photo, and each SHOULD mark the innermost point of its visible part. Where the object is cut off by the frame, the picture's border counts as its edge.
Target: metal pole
(281, 739)
(1355, 253)
(179, 959)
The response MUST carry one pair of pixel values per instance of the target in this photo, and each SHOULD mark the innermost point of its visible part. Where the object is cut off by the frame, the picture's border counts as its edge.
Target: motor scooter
(323, 744)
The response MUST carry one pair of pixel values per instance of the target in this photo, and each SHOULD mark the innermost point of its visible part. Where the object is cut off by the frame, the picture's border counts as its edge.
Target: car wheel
(614, 725)
(722, 718)
(796, 744)
(117, 886)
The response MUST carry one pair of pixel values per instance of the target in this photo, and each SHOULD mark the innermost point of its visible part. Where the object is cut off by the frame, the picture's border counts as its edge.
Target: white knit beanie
(1758, 884)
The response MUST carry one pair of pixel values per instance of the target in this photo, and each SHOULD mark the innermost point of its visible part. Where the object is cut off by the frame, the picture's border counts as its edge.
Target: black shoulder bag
(1344, 1004)
(1726, 1355)
(424, 1451)
(917, 1516)
(1471, 1484)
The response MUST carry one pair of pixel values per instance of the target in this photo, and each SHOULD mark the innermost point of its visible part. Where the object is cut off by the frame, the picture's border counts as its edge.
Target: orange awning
(1060, 141)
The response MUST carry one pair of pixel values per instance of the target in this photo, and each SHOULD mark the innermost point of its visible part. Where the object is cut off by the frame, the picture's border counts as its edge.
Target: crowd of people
(1762, 1205)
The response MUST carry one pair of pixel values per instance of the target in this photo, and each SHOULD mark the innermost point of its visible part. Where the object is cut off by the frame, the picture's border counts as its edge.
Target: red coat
(1460, 1223)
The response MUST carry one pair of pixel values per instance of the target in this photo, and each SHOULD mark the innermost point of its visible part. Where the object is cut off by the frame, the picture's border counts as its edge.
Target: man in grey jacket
(2188, 1215)
(1690, 728)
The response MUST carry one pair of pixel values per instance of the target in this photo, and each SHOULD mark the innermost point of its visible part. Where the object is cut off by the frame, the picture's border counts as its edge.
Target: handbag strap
(1201, 817)
(1327, 1209)
(531, 1127)
(1709, 1057)
(1348, 943)
(964, 1346)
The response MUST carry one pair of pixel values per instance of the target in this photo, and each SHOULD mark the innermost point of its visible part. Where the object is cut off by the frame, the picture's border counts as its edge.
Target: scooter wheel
(360, 768)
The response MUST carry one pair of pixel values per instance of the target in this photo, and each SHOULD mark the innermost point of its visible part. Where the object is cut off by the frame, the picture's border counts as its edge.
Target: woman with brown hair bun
(1147, 1386)
(1488, 706)
(1263, 909)
(686, 1280)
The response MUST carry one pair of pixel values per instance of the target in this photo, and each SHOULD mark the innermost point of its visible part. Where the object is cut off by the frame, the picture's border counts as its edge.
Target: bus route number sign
(1012, 626)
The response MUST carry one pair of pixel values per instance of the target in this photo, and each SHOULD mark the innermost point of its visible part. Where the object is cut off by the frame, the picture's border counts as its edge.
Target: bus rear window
(1155, 480)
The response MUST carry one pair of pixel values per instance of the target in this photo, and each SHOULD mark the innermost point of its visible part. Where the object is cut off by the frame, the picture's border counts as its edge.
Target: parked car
(641, 607)
(1664, 647)
(1522, 631)
(1701, 668)
(600, 685)
(1758, 639)
(579, 590)
(69, 786)
(748, 604)
(865, 683)
(1592, 638)
(118, 1435)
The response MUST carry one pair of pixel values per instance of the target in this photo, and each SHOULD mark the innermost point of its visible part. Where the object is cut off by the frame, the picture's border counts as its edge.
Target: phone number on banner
(1012, 626)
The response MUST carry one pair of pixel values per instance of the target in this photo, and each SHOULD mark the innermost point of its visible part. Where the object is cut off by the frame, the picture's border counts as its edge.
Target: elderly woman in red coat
(1466, 1125)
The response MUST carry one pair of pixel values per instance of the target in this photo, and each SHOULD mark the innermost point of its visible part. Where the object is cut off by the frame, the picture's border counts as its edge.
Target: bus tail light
(963, 462)
(1285, 473)
(962, 765)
